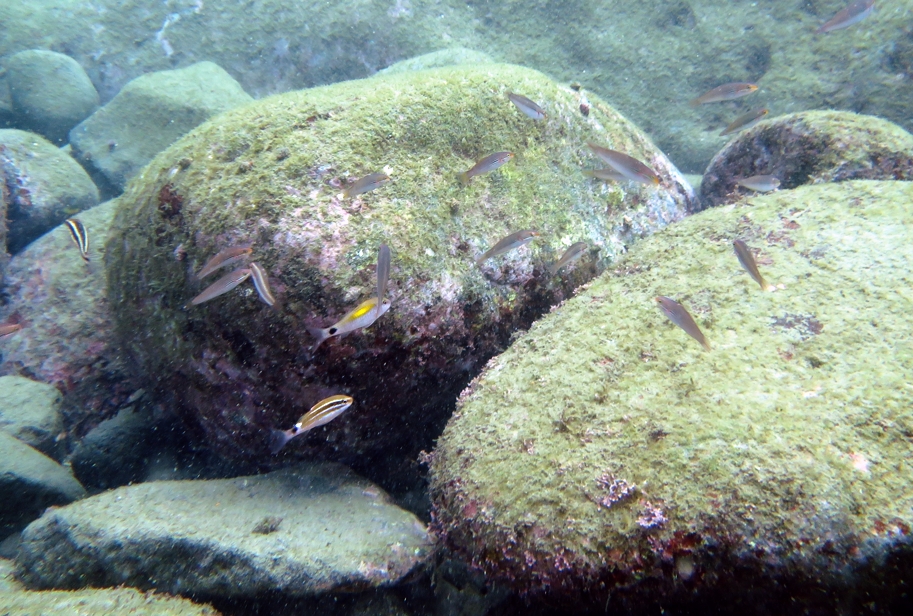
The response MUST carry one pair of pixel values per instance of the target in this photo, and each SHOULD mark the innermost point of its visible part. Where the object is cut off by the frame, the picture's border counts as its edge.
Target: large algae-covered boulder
(270, 175)
(606, 452)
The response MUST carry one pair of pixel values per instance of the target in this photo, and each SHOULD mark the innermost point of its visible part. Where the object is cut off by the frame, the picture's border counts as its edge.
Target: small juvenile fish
(383, 274)
(8, 329)
(681, 317)
(760, 183)
(725, 92)
(80, 237)
(631, 168)
(221, 286)
(528, 107)
(224, 258)
(854, 13)
(744, 121)
(486, 165)
(359, 317)
(367, 183)
(609, 175)
(514, 240)
(746, 258)
(570, 255)
(261, 283)
(321, 413)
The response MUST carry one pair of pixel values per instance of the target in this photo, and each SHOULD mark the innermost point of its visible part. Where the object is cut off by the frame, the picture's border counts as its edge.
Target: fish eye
(333, 330)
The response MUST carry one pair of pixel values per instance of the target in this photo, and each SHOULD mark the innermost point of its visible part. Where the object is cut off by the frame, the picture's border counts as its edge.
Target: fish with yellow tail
(321, 413)
(486, 165)
(677, 313)
(747, 260)
(514, 240)
(359, 317)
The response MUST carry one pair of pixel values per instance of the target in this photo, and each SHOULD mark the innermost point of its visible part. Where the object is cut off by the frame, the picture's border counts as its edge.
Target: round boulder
(607, 456)
(271, 175)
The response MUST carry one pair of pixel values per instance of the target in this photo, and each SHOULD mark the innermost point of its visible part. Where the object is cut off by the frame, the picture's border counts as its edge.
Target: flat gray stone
(149, 114)
(116, 451)
(300, 531)
(30, 411)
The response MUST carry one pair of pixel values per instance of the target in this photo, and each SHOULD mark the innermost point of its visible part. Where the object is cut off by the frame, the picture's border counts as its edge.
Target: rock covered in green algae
(271, 175)
(808, 147)
(780, 460)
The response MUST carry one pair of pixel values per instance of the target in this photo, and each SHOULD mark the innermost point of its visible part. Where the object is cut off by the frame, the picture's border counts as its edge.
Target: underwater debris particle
(170, 202)
(805, 325)
(619, 490)
(267, 525)
(651, 516)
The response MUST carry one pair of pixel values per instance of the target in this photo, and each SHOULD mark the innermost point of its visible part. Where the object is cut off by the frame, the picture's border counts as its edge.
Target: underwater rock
(149, 114)
(29, 483)
(30, 411)
(43, 186)
(49, 91)
(99, 602)
(305, 530)
(272, 175)
(437, 59)
(605, 456)
(810, 147)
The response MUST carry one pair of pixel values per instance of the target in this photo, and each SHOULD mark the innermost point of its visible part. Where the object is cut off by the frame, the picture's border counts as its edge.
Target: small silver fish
(760, 183)
(383, 274)
(631, 168)
(8, 329)
(725, 92)
(570, 255)
(80, 236)
(854, 13)
(359, 317)
(514, 240)
(681, 317)
(528, 107)
(224, 258)
(261, 283)
(221, 286)
(745, 121)
(367, 183)
(606, 175)
(486, 165)
(746, 258)
(321, 413)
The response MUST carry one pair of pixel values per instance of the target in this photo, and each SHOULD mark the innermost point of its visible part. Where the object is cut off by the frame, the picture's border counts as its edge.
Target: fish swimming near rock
(854, 13)
(514, 240)
(370, 182)
(224, 258)
(725, 92)
(760, 183)
(261, 284)
(222, 286)
(681, 317)
(570, 255)
(528, 107)
(486, 165)
(79, 236)
(606, 175)
(745, 121)
(359, 317)
(8, 329)
(383, 275)
(747, 260)
(631, 168)
(321, 413)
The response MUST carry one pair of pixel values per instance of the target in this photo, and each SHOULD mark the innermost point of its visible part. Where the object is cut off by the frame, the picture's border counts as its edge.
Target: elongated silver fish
(745, 121)
(514, 240)
(224, 258)
(321, 413)
(221, 286)
(725, 92)
(359, 317)
(383, 275)
(570, 255)
(486, 165)
(528, 107)
(854, 13)
(261, 283)
(760, 183)
(606, 175)
(79, 236)
(367, 183)
(631, 168)
(681, 317)
(8, 329)
(746, 258)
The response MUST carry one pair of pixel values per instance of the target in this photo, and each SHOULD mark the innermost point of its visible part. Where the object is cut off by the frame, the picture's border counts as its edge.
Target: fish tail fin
(694, 102)
(705, 344)
(319, 335)
(589, 173)
(553, 268)
(464, 178)
(277, 440)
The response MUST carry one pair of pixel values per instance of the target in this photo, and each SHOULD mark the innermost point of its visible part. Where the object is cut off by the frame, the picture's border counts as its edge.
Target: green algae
(794, 430)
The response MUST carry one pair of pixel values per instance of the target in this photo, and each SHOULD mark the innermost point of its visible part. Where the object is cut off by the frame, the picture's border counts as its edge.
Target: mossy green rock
(271, 175)
(605, 452)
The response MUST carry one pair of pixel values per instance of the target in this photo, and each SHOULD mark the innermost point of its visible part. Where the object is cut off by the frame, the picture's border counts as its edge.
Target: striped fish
(725, 92)
(528, 107)
(514, 240)
(486, 165)
(745, 121)
(570, 255)
(8, 329)
(631, 168)
(224, 258)
(367, 183)
(321, 413)
(854, 13)
(261, 283)
(80, 236)
(221, 286)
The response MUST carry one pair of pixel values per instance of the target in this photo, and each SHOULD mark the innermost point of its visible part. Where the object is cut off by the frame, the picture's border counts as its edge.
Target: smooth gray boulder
(29, 483)
(43, 187)
(300, 531)
(116, 451)
(30, 411)
(49, 91)
(148, 115)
